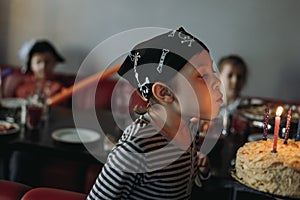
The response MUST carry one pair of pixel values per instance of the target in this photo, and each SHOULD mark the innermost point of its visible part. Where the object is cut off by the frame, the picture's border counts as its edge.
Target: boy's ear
(162, 92)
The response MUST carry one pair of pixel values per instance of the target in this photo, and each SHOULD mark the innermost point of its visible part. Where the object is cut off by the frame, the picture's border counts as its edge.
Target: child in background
(157, 156)
(234, 74)
(41, 58)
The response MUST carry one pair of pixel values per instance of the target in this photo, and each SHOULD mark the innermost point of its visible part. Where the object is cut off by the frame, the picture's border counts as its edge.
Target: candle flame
(279, 111)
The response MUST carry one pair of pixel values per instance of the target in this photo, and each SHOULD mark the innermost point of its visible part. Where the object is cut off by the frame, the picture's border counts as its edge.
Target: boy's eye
(203, 76)
(199, 76)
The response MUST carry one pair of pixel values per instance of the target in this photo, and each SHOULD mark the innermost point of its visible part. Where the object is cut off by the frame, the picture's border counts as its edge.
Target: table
(62, 117)
(40, 141)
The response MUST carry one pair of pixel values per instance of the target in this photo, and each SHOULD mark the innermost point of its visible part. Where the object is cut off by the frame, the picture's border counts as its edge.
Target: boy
(157, 156)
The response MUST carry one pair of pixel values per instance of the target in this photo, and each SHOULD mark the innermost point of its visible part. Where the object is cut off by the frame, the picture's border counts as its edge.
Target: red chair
(17, 191)
(101, 97)
(50, 194)
(11, 82)
(12, 190)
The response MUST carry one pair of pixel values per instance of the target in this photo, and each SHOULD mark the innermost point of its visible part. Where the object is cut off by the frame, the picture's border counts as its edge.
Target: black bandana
(159, 59)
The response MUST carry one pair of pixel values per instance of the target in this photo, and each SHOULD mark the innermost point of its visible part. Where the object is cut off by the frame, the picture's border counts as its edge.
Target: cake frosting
(275, 173)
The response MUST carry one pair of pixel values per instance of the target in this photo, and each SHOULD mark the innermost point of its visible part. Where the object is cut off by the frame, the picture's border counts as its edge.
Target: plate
(257, 112)
(7, 128)
(75, 135)
(261, 125)
(13, 102)
(258, 136)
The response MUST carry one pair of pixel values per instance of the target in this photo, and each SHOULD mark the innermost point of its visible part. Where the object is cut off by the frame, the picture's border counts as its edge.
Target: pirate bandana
(159, 59)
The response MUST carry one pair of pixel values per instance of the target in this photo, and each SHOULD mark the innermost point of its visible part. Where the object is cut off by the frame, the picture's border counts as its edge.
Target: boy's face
(197, 88)
(233, 78)
(42, 64)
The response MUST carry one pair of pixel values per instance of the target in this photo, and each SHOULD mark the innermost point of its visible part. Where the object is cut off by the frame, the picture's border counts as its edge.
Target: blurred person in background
(37, 75)
(234, 74)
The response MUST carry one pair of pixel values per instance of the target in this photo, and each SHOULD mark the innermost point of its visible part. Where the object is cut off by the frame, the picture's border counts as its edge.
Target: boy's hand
(204, 165)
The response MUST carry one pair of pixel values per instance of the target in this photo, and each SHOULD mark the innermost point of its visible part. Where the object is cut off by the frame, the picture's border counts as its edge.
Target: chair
(12, 190)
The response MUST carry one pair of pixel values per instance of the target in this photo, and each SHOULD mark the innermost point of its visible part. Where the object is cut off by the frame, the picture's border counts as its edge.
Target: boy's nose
(216, 83)
(42, 65)
(234, 80)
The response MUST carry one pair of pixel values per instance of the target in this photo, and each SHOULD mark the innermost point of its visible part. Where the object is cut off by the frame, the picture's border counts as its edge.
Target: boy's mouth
(220, 99)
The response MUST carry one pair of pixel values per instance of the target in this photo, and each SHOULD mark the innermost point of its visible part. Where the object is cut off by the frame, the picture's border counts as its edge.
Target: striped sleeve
(119, 174)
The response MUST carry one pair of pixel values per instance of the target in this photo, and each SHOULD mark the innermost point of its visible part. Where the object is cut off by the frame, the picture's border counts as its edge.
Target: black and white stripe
(145, 164)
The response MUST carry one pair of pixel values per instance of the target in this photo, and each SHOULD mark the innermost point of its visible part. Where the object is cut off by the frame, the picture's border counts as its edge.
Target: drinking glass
(35, 111)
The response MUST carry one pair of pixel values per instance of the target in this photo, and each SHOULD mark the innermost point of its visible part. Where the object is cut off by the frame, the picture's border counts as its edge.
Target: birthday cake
(275, 173)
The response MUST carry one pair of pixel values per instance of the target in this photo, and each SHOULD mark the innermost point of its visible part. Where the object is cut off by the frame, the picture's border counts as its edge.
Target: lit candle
(298, 132)
(276, 128)
(266, 122)
(287, 128)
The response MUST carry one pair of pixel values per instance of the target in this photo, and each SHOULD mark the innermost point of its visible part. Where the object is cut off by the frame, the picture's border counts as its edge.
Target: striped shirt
(147, 164)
